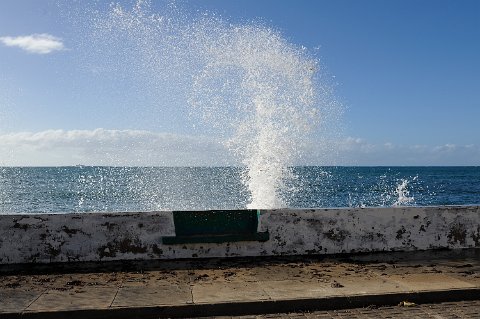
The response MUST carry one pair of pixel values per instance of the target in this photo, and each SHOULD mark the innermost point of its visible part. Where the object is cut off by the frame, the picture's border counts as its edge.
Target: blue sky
(406, 72)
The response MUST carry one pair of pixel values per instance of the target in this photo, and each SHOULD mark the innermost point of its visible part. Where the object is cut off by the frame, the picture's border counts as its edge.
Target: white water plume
(260, 90)
(403, 194)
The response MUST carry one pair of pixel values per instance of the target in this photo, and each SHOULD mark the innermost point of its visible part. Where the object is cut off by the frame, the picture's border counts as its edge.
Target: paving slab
(15, 300)
(371, 285)
(81, 299)
(429, 281)
(219, 292)
(292, 289)
(153, 296)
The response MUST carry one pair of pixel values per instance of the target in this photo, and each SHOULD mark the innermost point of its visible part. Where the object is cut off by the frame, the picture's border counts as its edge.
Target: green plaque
(215, 226)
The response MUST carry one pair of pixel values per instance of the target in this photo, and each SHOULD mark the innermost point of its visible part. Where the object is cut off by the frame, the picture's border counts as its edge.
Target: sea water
(114, 189)
(265, 98)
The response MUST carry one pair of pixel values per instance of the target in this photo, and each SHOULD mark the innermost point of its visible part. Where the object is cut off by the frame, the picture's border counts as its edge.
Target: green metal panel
(215, 226)
(215, 222)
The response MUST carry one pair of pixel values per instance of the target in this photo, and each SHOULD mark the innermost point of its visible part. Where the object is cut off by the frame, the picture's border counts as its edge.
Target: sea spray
(260, 91)
(245, 84)
(403, 194)
(144, 51)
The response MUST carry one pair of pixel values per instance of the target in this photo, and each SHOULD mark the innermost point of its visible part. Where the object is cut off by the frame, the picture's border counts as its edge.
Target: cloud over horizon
(357, 151)
(35, 43)
(110, 148)
(146, 148)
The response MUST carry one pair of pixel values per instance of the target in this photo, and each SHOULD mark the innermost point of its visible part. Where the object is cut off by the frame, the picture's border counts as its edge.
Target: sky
(407, 74)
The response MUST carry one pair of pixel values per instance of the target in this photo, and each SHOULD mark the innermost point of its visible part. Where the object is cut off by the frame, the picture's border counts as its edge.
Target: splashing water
(245, 84)
(259, 88)
(403, 194)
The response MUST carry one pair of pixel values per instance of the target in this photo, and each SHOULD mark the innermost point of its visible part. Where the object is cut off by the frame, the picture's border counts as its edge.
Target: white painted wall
(44, 238)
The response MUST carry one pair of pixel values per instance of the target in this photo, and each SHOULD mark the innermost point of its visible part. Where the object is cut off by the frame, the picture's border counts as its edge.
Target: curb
(259, 307)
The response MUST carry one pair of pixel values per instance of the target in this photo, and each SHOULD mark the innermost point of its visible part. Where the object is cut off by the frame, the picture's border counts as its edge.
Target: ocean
(29, 190)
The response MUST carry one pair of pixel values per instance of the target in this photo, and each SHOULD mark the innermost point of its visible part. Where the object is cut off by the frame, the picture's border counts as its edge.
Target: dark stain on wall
(316, 224)
(52, 251)
(476, 237)
(279, 241)
(33, 258)
(110, 226)
(423, 227)
(337, 234)
(372, 236)
(107, 250)
(156, 250)
(21, 226)
(28, 225)
(125, 245)
(72, 231)
(457, 234)
(401, 232)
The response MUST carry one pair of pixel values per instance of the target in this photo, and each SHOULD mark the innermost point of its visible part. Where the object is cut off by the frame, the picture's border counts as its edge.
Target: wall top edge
(313, 209)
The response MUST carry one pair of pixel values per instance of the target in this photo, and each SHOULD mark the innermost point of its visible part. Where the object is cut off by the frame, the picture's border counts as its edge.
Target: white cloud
(355, 151)
(36, 43)
(110, 147)
(145, 148)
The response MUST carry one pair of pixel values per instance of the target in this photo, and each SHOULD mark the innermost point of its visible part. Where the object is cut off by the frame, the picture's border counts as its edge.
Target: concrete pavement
(239, 286)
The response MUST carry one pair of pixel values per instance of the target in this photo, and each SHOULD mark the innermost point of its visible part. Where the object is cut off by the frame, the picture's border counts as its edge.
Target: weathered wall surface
(121, 236)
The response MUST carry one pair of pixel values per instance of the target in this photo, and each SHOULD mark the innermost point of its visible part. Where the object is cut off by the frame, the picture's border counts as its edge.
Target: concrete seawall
(44, 238)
